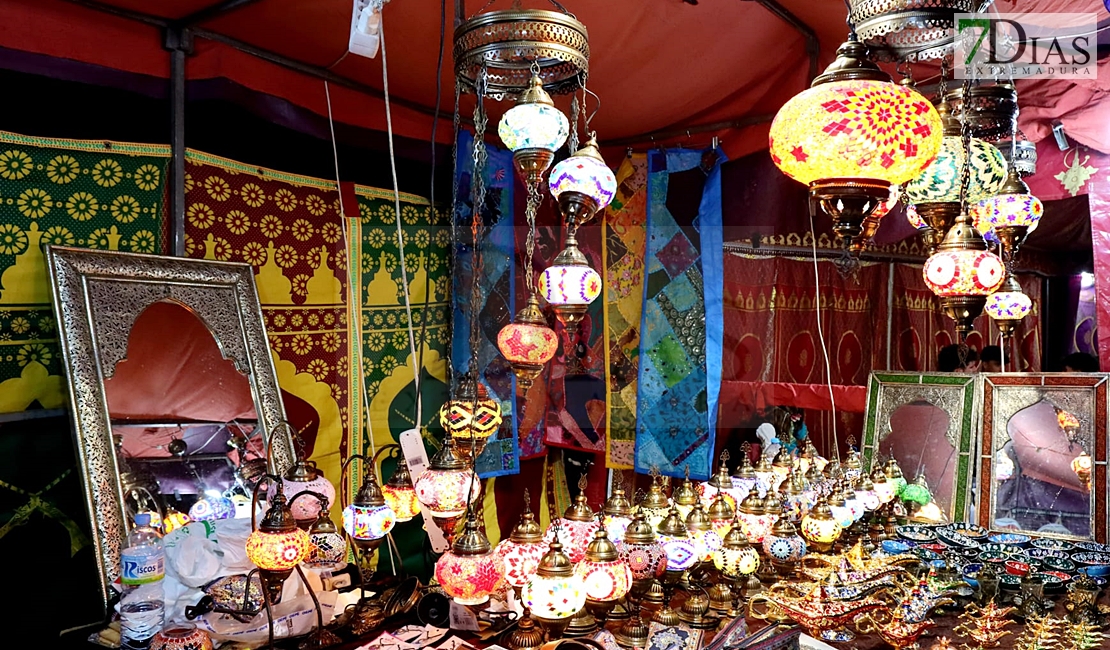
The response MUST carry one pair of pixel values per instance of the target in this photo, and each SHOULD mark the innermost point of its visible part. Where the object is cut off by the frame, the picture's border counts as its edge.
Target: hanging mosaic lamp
(528, 343)
(447, 486)
(400, 495)
(554, 593)
(1011, 215)
(533, 130)
(569, 285)
(617, 513)
(852, 135)
(367, 520)
(1008, 306)
(327, 544)
(471, 417)
(962, 273)
(583, 184)
(303, 476)
(936, 192)
(522, 551)
(605, 577)
(470, 571)
(576, 527)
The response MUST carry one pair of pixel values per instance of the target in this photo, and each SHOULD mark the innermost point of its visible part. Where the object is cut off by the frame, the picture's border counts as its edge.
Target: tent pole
(178, 42)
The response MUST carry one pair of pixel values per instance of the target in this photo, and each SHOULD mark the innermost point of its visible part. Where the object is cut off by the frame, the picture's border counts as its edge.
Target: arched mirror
(918, 440)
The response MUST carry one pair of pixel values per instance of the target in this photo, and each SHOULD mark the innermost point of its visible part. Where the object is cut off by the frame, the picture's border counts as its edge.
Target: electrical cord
(821, 332)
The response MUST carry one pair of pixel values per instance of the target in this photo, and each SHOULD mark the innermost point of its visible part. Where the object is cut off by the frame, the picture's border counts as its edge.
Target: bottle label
(141, 569)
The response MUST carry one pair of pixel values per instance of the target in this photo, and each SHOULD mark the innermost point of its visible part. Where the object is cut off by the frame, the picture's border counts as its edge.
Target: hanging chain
(965, 135)
(943, 89)
(535, 198)
(453, 253)
(572, 138)
(478, 194)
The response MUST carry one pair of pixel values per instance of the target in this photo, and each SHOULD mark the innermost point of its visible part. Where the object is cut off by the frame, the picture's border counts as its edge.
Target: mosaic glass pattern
(325, 549)
(822, 531)
(1007, 210)
(1008, 305)
(940, 183)
(586, 175)
(366, 523)
(464, 419)
(527, 343)
(533, 126)
(605, 581)
(856, 129)
(520, 560)
(554, 597)
(736, 561)
(308, 507)
(469, 579)
(574, 536)
(402, 501)
(570, 285)
(964, 273)
(277, 551)
(211, 508)
(784, 549)
(681, 552)
(644, 560)
(445, 492)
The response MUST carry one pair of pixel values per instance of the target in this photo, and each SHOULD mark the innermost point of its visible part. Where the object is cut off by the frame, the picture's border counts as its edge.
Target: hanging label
(462, 619)
(412, 447)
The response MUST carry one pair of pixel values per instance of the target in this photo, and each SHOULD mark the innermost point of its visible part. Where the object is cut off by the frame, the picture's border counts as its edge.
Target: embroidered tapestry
(681, 328)
(624, 244)
(91, 194)
(496, 282)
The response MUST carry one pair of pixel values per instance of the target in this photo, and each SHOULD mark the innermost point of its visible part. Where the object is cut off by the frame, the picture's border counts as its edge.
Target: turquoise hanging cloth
(682, 327)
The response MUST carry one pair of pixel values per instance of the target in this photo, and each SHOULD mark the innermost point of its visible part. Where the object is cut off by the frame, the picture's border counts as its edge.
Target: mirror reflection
(1038, 468)
(918, 440)
(183, 420)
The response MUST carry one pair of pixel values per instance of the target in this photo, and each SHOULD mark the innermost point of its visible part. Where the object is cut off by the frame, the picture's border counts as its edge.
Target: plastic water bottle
(142, 606)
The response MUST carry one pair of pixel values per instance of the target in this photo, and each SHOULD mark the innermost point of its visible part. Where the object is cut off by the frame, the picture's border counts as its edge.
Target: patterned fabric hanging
(91, 194)
(681, 329)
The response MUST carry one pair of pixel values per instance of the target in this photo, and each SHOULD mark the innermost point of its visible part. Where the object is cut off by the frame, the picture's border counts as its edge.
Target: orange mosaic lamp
(400, 495)
(471, 418)
(277, 546)
(470, 571)
(528, 343)
(852, 135)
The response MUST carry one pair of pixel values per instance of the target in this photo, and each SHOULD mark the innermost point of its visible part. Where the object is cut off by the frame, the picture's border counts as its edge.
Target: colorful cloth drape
(92, 194)
(502, 452)
(682, 325)
(625, 221)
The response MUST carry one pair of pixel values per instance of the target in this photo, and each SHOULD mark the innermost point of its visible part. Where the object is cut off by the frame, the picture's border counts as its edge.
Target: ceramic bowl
(1088, 558)
(995, 547)
(926, 555)
(1009, 539)
(955, 538)
(1052, 544)
(920, 534)
(895, 547)
(1009, 582)
(1042, 553)
(971, 574)
(936, 548)
(1092, 547)
(1054, 581)
(974, 531)
(1015, 568)
(1058, 564)
(1093, 571)
(993, 558)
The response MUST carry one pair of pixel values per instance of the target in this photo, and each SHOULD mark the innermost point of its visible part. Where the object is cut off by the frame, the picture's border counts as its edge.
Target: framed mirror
(172, 390)
(1043, 455)
(927, 423)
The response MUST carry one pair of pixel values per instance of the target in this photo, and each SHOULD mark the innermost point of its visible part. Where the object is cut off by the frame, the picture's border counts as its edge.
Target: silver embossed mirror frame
(953, 393)
(1083, 395)
(97, 298)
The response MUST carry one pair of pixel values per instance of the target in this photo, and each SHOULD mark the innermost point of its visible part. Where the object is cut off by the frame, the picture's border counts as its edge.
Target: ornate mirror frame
(97, 298)
(1084, 395)
(953, 393)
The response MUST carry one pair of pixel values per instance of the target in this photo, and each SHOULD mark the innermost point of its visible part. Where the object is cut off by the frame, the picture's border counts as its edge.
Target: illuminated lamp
(917, 492)
(173, 520)
(962, 273)
(885, 489)
(894, 475)
(851, 502)
(809, 457)
(1008, 306)
(852, 135)
(276, 546)
(522, 551)
(865, 492)
(583, 184)
(685, 496)
(744, 479)
(303, 476)
(820, 528)
(795, 495)
(752, 517)
(782, 465)
(853, 464)
(641, 550)
(784, 546)
(605, 577)
(700, 528)
(936, 191)
(721, 482)
(470, 571)
(721, 514)
(1068, 423)
(528, 343)
(617, 513)
(569, 285)
(839, 508)
(367, 520)
(399, 493)
(555, 592)
(212, 506)
(471, 417)
(533, 130)
(736, 557)
(764, 474)
(446, 487)
(327, 544)
(1082, 465)
(1011, 215)
(655, 504)
(680, 549)
(576, 527)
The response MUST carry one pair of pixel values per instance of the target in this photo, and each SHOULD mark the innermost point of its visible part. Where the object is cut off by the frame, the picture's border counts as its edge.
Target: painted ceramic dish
(926, 554)
(1015, 568)
(1009, 582)
(1042, 553)
(1052, 544)
(919, 534)
(993, 558)
(1092, 547)
(997, 548)
(971, 574)
(1054, 580)
(1096, 573)
(1089, 558)
(1059, 564)
(1009, 539)
(956, 538)
(895, 547)
(973, 531)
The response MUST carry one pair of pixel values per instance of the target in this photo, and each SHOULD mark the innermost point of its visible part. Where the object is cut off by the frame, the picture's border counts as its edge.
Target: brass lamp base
(1011, 238)
(531, 164)
(666, 616)
(367, 616)
(1007, 327)
(964, 310)
(526, 636)
(939, 216)
(570, 315)
(526, 374)
(577, 208)
(849, 202)
(318, 639)
(633, 634)
(553, 628)
(583, 624)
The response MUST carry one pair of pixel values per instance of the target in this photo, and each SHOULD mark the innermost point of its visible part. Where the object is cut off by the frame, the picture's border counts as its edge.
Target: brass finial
(528, 531)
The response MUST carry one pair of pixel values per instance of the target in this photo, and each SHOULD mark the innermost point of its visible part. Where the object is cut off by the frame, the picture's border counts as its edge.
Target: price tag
(462, 619)
(413, 449)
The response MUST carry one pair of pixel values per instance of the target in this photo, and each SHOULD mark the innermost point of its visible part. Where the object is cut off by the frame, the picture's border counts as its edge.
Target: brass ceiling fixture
(991, 112)
(908, 30)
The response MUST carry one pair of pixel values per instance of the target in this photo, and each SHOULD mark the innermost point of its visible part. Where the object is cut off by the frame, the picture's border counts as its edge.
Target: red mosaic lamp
(528, 343)
(470, 571)
(277, 545)
(962, 273)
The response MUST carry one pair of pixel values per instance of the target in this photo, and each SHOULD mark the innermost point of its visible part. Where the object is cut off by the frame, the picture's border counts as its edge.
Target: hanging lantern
(605, 577)
(1011, 215)
(400, 495)
(617, 514)
(555, 592)
(1082, 465)
(641, 551)
(528, 343)
(277, 545)
(1008, 306)
(368, 519)
(470, 571)
(680, 549)
(471, 418)
(583, 184)
(447, 486)
(962, 274)
(533, 130)
(327, 546)
(820, 528)
(304, 477)
(736, 557)
(852, 135)
(522, 551)
(569, 285)
(576, 527)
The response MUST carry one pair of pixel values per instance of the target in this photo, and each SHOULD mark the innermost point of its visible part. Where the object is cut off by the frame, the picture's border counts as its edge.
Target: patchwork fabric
(681, 326)
(90, 194)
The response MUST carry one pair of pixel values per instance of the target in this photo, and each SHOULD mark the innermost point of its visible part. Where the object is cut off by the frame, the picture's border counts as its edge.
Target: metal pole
(889, 315)
(175, 39)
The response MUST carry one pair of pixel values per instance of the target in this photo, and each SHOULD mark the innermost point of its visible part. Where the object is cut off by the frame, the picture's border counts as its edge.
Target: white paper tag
(462, 619)
(412, 446)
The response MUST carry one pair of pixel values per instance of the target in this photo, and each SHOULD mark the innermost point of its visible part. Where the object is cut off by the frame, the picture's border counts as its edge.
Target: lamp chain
(965, 135)
(535, 198)
(572, 138)
(453, 254)
(478, 187)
